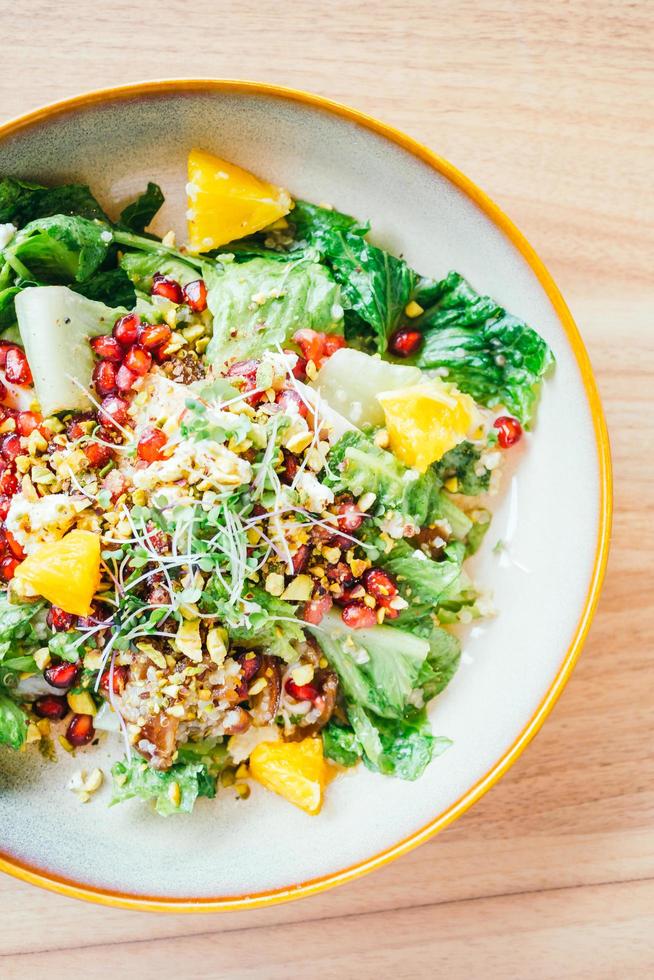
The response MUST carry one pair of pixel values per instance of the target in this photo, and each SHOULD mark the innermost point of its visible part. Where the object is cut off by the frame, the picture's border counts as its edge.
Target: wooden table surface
(548, 106)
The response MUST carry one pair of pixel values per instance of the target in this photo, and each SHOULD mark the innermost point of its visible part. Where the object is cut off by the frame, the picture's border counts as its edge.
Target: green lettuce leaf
(20, 629)
(441, 664)
(259, 304)
(13, 722)
(60, 249)
(419, 578)
(140, 267)
(463, 462)
(402, 748)
(22, 202)
(136, 778)
(110, 286)
(341, 745)
(138, 215)
(488, 353)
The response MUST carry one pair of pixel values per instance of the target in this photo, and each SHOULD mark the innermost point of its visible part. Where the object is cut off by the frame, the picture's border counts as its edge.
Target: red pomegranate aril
(119, 679)
(8, 568)
(195, 295)
(113, 411)
(17, 370)
(509, 431)
(97, 455)
(27, 422)
(14, 546)
(62, 676)
(300, 369)
(9, 482)
(151, 444)
(301, 692)
(154, 335)
(81, 730)
(125, 378)
(11, 447)
(59, 620)
(167, 287)
(311, 343)
(350, 518)
(315, 609)
(104, 378)
(138, 360)
(244, 369)
(289, 398)
(4, 507)
(51, 706)
(4, 350)
(126, 329)
(107, 348)
(332, 343)
(301, 558)
(405, 342)
(379, 584)
(358, 616)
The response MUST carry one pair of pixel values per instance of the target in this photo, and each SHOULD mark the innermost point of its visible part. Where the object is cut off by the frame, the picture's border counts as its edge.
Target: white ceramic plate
(554, 511)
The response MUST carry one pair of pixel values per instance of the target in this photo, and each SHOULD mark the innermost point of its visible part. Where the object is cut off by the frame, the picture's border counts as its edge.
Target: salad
(239, 482)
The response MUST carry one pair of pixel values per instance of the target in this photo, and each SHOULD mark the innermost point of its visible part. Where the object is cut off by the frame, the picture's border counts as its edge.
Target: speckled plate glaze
(554, 511)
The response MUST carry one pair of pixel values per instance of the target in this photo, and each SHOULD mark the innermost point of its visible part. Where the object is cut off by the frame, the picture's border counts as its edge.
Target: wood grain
(549, 108)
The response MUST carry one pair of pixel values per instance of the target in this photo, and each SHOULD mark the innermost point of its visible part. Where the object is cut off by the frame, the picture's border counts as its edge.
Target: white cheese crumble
(34, 523)
(313, 494)
(7, 232)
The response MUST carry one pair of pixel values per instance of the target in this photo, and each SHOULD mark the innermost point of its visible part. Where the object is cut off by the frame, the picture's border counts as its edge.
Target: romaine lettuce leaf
(259, 304)
(136, 778)
(20, 629)
(138, 215)
(341, 745)
(490, 354)
(463, 462)
(402, 748)
(22, 201)
(60, 249)
(13, 722)
(441, 664)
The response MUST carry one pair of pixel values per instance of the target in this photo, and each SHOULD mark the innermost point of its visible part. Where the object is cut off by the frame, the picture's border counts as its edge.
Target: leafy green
(477, 532)
(357, 465)
(261, 303)
(489, 353)
(13, 723)
(269, 622)
(142, 266)
(110, 286)
(22, 201)
(136, 778)
(376, 286)
(341, 745)
(138, 215)
(401, 747)
(59, 249)
(7, 308)
(210, 752)
(419, 578)
(65, 646)
(441, 664)
(463, 462)
(20, 628)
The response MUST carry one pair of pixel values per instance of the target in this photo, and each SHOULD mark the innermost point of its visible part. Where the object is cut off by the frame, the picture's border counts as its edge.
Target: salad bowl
(543, 558)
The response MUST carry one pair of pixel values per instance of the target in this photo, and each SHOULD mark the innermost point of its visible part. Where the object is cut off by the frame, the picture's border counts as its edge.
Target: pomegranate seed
(62, 676)
(301, 558)
(167, 287)
(4, 350)
(358, 616)
(161, 354)
(126, 329)
(315, 609)
(125, 378)
(4, 507)
(17, 370)
(350, 518)
(59, 620)
(11, 447)
(97, 454)
(119, 679)
(81, 730)
(113, 411)
(27, 422)
(288, 399)
(350, 592)
(332, 343)
(14, 546)
(311, 343)
(138, 360)
(154, 335)
(509, 431)
(150, 445)
(300, 369)
(8, 568)
(405, 342)
(104, 378)
(301, 692)
(3, 390)
(51, 706)
(107, 348)
(244, 369)
(379, 584)
(9, 482)
(195, 295)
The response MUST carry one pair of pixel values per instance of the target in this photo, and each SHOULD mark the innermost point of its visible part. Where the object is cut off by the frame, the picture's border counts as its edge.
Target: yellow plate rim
(153, 903)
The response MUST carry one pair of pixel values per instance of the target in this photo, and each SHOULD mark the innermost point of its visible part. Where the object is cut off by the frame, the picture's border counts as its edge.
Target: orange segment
(226, 202)
(295, 770)
(66, 572)
(426, 420)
